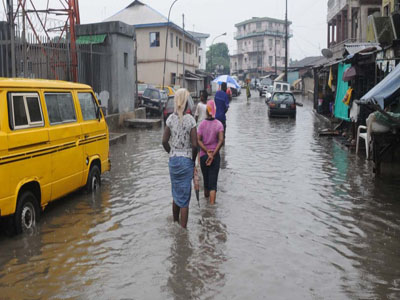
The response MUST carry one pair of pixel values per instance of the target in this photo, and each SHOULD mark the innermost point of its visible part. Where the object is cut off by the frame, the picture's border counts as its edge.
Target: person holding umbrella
(181, 129)
(210, 137)
(222, 105)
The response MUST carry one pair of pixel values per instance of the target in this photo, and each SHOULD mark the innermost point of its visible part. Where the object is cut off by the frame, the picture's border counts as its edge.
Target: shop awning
(385, 90)
(91, 39)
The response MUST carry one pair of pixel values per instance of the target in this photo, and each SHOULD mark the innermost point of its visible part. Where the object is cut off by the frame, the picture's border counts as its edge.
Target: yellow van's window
(20, 117)
(25, 110)
(89, 107)
(60, 107)
(34, 109)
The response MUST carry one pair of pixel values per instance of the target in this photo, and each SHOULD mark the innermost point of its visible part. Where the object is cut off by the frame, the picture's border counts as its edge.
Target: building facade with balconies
(260, 46)
(348, 21)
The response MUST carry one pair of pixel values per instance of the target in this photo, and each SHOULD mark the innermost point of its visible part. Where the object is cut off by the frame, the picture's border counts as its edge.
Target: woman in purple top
(210, 137)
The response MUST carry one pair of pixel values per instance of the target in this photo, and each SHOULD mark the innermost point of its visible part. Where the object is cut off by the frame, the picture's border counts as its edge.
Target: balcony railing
(241, 35)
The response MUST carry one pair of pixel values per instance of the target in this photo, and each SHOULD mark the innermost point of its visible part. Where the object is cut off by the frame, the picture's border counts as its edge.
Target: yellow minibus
(53, 140)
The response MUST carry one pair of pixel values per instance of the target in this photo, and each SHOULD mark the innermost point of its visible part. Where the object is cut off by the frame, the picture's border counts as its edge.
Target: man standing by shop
(221, 100)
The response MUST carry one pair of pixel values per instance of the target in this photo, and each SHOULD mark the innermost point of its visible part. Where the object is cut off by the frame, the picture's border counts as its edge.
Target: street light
(211, 48)
(166, 44)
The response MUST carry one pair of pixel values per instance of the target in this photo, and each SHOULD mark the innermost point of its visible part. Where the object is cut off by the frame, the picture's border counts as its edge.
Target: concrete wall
(113, 81)
(123, 77)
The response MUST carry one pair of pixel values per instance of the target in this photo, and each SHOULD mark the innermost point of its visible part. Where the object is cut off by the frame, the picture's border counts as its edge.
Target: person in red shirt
(229, 93)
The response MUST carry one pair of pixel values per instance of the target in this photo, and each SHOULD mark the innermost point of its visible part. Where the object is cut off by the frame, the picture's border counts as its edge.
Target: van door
(64, 132)
(94, 129)
(27, 139)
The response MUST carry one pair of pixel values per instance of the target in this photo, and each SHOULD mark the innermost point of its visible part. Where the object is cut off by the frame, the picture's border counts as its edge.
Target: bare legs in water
(184, 212)
(212, 194)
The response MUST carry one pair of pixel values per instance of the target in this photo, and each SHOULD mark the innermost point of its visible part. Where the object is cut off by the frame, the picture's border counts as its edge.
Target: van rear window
(60, 108)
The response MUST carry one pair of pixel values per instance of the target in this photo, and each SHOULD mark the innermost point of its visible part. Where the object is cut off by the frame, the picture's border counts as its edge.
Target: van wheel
(94, 181)
(27, 213)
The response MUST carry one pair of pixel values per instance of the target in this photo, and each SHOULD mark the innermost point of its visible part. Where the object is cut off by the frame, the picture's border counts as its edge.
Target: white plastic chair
(365, 136)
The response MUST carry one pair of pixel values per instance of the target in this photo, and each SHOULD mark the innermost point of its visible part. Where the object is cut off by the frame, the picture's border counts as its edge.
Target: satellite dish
(327, 53)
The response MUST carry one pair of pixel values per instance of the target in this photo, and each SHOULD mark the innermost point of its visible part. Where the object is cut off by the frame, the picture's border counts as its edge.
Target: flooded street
(297, 217)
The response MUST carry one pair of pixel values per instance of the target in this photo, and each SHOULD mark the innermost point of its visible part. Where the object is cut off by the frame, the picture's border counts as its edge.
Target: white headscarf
(180, 99)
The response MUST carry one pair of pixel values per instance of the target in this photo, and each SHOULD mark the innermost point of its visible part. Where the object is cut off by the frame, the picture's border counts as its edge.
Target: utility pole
(184, 77)
(276, 66)
(10, 8)
(286, 45)
(166, 44)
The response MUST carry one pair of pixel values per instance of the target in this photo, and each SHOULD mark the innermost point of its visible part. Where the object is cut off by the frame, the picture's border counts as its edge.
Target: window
(125, 60)
(154, 39)
(270, 43)
(270, 60)
(177, 41)
(25, 111)
(173, 78)
(89, 106)
(278, 43)
(172, 40)
(258, 25)
(60, 107)
(180, 44)
(260, 45)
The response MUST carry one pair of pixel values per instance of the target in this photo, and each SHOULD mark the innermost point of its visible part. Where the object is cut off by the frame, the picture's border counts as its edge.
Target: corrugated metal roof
(355, 48)
(199, 35)
(138, 13)
(306, 62)
(141, 15)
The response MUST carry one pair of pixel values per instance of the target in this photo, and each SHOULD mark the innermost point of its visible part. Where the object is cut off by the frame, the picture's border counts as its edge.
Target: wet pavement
(297, 217)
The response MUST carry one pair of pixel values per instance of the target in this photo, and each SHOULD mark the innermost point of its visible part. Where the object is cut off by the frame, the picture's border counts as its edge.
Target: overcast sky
(216, 16)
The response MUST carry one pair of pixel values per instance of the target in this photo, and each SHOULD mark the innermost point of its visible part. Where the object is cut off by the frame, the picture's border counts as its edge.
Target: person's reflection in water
(195, 270)
(183, 280)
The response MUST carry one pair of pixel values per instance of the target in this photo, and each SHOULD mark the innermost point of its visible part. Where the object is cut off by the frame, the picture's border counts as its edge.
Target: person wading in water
(222, 104)
(181, 129)
(210, 137)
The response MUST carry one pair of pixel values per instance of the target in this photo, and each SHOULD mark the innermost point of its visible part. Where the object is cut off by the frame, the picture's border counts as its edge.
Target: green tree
(218, 54)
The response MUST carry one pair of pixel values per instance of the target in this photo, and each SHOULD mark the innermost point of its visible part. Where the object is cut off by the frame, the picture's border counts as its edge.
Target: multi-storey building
(151, 28)
(202, 37)
(348, 21)
(260, 46)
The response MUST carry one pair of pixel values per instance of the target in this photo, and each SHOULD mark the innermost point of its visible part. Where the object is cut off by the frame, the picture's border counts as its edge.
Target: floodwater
(297, 217)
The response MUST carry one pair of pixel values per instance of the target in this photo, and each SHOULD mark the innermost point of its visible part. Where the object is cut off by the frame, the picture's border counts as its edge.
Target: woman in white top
(201, 109)
(181, 130)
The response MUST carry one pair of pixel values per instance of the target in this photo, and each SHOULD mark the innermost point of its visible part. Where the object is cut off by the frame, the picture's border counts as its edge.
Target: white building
(151, 28)
(202, 37)
(260, 46)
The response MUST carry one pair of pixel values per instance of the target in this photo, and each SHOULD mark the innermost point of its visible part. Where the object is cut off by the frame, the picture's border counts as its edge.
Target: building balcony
(334, 7)
(241, 35)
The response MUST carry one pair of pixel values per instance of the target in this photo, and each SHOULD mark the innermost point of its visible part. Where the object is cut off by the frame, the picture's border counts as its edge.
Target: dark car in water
(141, 88)
(169, 107)
(154, 100)
(282, 104)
